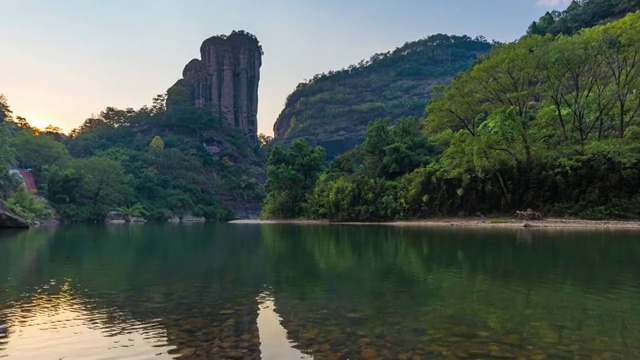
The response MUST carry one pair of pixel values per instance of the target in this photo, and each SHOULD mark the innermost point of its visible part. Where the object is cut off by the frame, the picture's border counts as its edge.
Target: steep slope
(332, 110)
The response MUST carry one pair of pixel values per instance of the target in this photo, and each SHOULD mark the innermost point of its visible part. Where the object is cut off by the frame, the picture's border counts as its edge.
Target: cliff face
(226, 79)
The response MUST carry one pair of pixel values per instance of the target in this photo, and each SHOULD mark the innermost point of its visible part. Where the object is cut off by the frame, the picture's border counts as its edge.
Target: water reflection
(38, 326)
(403, 293)
(199, 283)
(274, 341)
(333, 292)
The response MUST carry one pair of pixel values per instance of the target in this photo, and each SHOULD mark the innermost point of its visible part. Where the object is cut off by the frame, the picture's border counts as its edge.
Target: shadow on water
(328, 292)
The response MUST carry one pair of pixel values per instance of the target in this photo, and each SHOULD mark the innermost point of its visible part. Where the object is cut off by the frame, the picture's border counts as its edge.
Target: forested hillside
(334, 109)
(582, 14)
(160, 161)
(549, 123)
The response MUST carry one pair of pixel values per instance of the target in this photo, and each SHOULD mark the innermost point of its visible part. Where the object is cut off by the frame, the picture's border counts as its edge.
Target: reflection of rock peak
(226, 80)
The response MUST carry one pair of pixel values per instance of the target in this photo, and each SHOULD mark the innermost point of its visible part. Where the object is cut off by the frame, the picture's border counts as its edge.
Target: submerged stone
(369, 354)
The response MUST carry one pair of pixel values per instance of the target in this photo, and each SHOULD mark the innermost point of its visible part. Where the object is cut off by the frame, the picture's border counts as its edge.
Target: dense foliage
(369, 183)
(7, 159)
(333, 109)
(582, 14)
(166, 160)
(546, 123)
(292, 173)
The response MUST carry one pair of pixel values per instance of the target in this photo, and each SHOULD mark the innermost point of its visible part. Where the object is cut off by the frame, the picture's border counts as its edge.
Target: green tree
(292, 174)
(104, 186)
(391, 151)
(28, 206)
(264, 140)
(619, 49)
(5, 110)
(36, 151)
(60, 185)
(7, 160)
(156, 144)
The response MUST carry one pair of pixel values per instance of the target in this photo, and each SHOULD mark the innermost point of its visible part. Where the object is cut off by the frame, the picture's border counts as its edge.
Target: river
(292, 291)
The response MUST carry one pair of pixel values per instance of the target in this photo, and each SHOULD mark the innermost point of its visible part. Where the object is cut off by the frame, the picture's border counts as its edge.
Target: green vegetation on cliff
(333, 110)
(550, 123)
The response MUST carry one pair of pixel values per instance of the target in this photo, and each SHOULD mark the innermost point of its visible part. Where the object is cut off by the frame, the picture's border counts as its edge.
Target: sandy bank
(474, 222)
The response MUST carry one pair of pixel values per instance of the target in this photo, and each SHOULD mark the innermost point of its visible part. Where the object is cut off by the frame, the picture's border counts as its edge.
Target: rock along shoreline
(552, 223)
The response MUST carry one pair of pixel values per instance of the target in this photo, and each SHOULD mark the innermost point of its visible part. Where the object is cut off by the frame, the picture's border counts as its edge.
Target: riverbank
(558, 223)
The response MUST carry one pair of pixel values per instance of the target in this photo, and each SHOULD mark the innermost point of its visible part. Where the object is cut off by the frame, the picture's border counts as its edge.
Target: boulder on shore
(190, 218)
(118, 217)
(136, 219)
(115, 217)
(528, 215)
(9, 219)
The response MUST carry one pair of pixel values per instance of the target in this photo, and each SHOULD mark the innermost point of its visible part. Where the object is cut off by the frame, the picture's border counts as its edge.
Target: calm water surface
(239, 291)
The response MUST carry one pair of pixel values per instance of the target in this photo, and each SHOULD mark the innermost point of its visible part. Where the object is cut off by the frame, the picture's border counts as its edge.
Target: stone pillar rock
(226, 80)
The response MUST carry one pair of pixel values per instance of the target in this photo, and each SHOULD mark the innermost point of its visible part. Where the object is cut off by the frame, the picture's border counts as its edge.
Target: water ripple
(62, 326)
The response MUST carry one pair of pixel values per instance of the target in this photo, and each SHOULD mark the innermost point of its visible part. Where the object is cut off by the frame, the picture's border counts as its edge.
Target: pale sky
(62, 61)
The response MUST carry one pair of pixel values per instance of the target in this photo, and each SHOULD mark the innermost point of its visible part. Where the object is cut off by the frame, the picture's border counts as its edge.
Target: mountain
(333, 109)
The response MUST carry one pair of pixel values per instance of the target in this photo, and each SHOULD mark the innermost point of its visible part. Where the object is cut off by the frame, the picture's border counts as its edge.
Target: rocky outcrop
(226, 79)
(117, 217)
(529, 215)
(8, 219)
(188, 218)
(136, 219)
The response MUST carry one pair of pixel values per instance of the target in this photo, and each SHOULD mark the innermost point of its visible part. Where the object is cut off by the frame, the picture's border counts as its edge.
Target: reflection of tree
(20, 252)
(418, 291)
(136, 274)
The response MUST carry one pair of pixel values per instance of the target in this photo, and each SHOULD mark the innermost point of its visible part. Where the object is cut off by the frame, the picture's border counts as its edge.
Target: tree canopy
(292, 174)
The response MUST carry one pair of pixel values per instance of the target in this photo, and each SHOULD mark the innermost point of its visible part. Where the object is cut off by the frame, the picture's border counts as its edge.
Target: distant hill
(582, 14)
(332, 110)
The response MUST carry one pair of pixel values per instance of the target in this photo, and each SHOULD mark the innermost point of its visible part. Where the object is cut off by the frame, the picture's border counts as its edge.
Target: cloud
(553, 3)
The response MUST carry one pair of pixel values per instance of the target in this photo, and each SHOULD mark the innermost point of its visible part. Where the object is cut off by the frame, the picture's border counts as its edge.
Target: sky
(63, 61)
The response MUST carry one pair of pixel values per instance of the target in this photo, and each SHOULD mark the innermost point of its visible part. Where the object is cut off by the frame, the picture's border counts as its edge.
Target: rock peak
(237, 39)
(226, 79)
